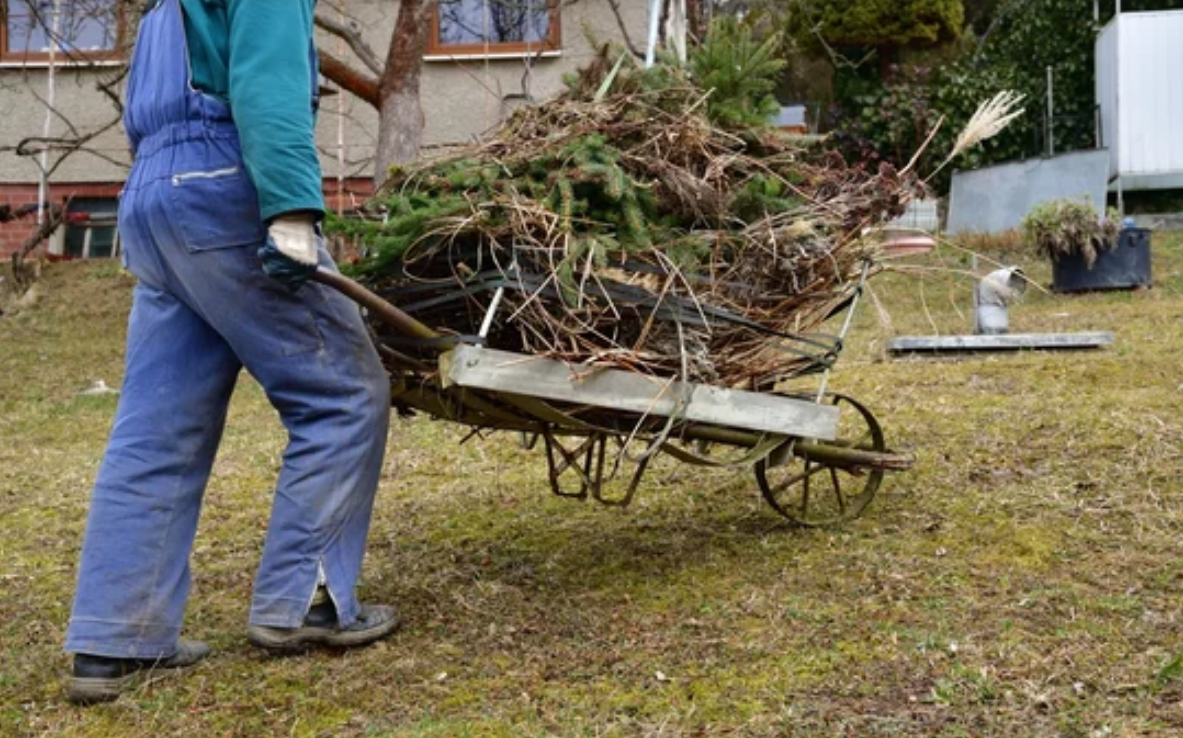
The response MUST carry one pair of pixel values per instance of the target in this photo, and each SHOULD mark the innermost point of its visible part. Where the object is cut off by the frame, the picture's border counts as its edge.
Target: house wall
(79, 103)
(469, 97)
(463, 99)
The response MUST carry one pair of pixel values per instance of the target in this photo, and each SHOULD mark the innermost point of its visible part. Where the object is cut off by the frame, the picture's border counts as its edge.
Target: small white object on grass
(99, 387)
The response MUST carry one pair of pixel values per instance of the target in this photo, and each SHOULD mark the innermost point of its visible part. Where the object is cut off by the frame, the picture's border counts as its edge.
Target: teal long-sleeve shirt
(254, 55)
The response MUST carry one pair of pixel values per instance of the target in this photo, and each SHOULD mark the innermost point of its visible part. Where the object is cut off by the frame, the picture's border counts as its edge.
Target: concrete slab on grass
(1004, 342)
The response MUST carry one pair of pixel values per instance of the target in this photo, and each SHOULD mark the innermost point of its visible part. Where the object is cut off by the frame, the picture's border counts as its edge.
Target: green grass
(1024, 579)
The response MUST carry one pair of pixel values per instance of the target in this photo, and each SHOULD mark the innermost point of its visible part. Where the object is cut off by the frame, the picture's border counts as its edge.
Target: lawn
(1025, 578)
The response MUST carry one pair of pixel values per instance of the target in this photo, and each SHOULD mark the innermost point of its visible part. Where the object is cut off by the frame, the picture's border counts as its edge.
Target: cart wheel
(813, 494)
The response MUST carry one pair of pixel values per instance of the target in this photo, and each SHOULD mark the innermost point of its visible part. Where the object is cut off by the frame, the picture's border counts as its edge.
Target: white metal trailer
(1139, 86)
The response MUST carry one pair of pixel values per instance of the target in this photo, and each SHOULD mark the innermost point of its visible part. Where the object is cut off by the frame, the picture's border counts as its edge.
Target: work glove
(290, 253)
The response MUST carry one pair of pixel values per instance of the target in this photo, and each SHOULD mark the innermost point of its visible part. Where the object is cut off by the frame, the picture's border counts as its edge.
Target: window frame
(550, 46)
(66, 57)
(85, 216)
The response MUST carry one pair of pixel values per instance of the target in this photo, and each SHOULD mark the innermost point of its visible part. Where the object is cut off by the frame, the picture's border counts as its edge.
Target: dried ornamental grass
(1066, 227)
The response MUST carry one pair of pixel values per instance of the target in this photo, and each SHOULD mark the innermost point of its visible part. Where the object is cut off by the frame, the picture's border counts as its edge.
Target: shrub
(1059, 228)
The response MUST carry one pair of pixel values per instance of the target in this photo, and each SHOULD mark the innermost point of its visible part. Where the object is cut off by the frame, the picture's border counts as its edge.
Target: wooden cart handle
(385, 312)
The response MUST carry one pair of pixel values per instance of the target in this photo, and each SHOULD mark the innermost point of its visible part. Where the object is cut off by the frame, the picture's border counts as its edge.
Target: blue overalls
(202, 310)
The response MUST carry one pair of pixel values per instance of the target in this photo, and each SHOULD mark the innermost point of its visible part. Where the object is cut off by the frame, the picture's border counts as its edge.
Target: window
(81, 30)
(494, 27)
(89, 231)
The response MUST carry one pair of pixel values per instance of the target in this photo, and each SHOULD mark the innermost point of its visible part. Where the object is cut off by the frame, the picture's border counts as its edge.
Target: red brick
(354, 192)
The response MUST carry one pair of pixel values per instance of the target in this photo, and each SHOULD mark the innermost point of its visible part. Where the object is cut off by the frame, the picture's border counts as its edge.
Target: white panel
(1106, 69)
(991, 199)
(1150, 93)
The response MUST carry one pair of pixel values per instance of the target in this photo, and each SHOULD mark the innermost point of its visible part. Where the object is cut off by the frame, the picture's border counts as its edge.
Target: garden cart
(818, 457)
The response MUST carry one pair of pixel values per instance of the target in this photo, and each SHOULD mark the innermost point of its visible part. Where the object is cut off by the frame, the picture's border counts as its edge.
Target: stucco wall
(79, 103)
(462, 98)
(465, 98)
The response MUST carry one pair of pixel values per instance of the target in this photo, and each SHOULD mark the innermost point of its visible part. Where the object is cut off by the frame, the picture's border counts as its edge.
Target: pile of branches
(618, 225)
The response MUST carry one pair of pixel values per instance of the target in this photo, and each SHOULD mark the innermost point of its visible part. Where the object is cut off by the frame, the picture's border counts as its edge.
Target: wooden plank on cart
(536, 376)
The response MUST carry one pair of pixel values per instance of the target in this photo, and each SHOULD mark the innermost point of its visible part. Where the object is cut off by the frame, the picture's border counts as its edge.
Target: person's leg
(312, 354)
(335, 403)
(134, 574)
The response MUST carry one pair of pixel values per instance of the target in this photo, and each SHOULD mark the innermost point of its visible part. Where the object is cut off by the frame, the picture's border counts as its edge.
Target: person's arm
(271, 77)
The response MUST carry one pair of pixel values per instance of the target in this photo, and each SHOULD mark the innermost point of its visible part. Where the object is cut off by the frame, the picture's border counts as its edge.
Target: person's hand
(289, 255)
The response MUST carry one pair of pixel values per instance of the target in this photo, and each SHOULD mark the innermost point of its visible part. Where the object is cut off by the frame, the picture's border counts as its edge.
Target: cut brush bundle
(621, 225)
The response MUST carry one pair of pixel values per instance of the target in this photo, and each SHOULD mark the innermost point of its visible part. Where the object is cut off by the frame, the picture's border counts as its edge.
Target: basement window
(79, 31)
(491, 28)
(90, 230)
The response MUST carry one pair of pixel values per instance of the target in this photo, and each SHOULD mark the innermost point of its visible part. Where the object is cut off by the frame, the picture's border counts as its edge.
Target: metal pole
(1098, 128)
(1051, 111)
(862, 283)
(1118, 118)
(50, 101)
(654, 27)
(341, 124)
(676, 29)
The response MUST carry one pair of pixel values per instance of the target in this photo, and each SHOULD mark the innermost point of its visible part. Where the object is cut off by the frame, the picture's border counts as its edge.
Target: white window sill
(550, 54)
(61, 63)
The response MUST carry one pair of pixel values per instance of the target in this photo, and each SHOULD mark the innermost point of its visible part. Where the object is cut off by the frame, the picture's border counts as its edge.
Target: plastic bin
(1124, 266)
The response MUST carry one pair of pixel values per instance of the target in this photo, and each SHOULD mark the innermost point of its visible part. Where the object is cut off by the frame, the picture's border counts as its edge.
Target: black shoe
(103, 679)
(320, 630)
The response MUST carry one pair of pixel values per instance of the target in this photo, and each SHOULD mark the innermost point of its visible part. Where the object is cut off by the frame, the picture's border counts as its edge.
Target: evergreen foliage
(588, 180)
(1030, 36)
(886, 23)
(740, 73)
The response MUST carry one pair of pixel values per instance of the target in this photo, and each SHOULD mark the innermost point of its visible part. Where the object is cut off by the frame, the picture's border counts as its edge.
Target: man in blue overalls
(219, 223)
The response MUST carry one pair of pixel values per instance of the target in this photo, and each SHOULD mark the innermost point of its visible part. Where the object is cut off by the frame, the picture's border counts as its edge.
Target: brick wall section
(338, 196)
(347, 195)
(15, 232)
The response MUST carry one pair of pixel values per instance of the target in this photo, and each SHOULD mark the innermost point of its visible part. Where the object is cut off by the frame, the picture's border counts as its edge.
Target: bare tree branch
(110, 87)
(76, 141)
(55, 216)
(349, 79)
(628, 41)
(33, 145)
(350, 33)
(363, 140)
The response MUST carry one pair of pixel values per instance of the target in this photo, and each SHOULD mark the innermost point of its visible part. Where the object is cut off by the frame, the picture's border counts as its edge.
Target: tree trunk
(698, 16)
(23, 275)
(400, 127)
